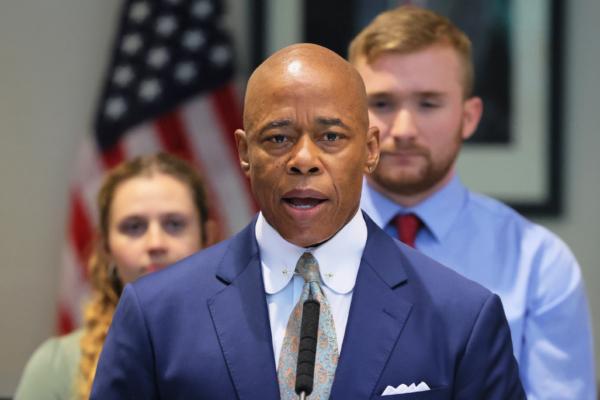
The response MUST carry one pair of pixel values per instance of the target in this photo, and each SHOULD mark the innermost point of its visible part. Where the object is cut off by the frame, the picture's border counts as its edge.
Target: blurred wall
(52, 55)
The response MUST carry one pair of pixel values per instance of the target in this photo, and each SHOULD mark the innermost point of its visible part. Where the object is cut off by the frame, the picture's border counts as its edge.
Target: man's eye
(133, 226)
(278, 139)
(429, 104)
(380, 105)
(332, 136)
(174, 224)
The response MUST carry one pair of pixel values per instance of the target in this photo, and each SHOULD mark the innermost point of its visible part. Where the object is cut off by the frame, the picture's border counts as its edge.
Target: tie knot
(407, 225)
(309, 268)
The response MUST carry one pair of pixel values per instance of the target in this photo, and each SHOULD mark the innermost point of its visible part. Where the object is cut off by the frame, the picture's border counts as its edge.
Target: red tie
(407, 226)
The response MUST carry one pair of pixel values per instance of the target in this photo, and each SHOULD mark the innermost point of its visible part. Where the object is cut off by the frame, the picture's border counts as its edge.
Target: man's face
(417, 102)
(305, 150)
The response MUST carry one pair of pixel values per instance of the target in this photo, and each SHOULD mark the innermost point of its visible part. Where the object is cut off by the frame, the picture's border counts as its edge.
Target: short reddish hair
(408, 29)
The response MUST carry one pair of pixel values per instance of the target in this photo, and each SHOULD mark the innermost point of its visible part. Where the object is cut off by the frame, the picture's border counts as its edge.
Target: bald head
(304, 66)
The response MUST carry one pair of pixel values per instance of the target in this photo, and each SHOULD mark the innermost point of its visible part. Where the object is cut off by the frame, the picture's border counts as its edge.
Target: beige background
(52, 54)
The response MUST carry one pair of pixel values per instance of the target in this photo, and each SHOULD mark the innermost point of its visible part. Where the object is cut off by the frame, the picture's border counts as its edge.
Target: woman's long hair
(105, 284)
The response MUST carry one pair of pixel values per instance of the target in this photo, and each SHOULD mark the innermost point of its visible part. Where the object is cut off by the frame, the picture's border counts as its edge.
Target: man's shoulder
(489, 210)
(536, 247)
(482, 205)
(440, 283)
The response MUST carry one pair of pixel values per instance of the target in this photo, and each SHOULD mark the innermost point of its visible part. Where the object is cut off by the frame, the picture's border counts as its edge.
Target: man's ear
(241, 141)
(372, 149)
(472, 111)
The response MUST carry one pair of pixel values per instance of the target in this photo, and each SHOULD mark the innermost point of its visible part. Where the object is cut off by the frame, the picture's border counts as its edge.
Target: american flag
(169, 88)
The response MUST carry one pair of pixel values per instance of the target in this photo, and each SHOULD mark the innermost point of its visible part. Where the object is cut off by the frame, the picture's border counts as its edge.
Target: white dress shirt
(338, 258)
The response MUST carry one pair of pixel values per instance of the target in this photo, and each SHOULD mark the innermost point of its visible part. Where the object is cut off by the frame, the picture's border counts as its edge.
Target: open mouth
(303, 199)
(303, 203)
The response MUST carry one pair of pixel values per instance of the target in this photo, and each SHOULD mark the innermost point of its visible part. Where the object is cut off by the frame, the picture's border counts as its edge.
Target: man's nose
(305, 157)
(404, 126)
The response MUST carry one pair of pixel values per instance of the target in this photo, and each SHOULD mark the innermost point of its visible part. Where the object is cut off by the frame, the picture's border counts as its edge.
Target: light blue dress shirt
(531, 269)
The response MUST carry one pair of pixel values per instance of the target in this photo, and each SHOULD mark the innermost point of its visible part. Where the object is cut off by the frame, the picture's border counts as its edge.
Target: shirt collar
(338, 258)
(438, 212)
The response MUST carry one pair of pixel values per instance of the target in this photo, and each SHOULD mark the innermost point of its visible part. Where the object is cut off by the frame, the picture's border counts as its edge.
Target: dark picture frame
(522, 168)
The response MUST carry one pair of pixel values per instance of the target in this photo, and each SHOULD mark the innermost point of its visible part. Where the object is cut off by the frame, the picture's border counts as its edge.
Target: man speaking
(226, 323)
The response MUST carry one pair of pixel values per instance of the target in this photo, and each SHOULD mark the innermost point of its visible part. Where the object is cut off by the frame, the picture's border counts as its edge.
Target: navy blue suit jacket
(200, 330)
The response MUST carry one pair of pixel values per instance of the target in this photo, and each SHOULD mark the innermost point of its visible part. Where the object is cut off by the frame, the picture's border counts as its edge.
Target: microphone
(307, 348)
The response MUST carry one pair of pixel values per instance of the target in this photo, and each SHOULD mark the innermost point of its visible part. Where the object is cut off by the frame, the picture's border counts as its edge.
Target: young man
(418, 73)
(224, 323)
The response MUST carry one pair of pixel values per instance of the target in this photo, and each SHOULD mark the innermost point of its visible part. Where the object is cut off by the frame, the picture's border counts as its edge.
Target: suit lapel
(240, 316)
(377, 316)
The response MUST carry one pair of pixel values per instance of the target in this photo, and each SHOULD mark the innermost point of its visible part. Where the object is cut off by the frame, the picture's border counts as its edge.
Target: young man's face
(417, 102)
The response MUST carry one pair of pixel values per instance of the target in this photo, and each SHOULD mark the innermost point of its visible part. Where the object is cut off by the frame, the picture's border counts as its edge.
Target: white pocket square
(401, 389)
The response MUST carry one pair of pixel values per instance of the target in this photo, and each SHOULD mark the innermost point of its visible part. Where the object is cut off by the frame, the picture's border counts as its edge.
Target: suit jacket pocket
(442, 393)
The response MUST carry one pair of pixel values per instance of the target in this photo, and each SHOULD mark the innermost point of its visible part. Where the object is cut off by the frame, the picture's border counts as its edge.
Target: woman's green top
(51, 370)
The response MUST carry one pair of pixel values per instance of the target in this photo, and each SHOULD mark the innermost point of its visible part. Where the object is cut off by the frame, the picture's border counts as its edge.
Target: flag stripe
(210, 143)
(65, 318)
(73, 289)
(229, 113)
(80, 230)
(173, 137)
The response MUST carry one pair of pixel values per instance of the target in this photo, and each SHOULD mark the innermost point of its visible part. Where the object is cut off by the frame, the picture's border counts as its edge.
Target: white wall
(52, 54)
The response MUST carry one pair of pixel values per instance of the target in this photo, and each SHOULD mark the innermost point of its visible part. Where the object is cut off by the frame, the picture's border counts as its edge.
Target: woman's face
(153, 222)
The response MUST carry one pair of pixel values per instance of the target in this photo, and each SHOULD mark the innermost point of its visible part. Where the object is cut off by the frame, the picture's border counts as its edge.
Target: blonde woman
(152, 212)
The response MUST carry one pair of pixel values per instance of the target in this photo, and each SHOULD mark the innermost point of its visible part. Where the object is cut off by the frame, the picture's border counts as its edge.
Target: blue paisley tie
(327, 351)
